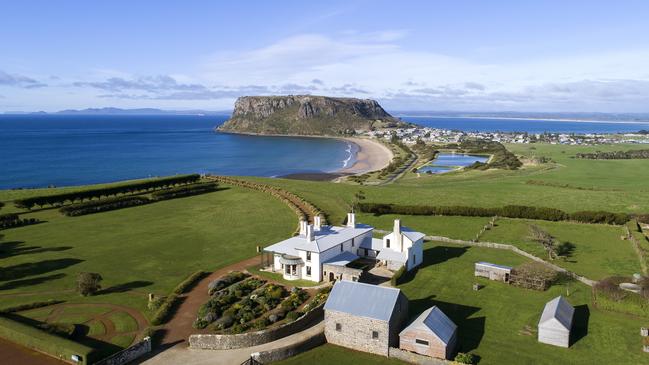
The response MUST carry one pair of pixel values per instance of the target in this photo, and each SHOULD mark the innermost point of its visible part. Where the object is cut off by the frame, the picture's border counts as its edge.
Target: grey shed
(556, 322)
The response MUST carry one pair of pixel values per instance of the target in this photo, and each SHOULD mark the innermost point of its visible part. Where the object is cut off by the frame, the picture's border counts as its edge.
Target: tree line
(12, 220)
(130, 188)
(120, 202)
(508, 211)
(615, 155)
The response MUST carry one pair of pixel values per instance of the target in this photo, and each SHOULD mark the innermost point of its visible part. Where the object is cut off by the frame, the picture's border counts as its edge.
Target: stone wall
(502, 246)
(356, 332)
(282, 353)
(412, 358)
(341, 272)
(128, 354)
(225, 342)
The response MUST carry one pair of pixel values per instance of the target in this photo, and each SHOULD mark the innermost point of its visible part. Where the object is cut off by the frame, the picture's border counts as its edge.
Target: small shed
(493, 271)
(556, 322)
(431, 334)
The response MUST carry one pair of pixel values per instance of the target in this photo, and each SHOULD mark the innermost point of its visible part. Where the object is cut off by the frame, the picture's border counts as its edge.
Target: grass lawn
(122, 341)
(492, 321)
(331, 354)
(123, 322)
(96, 328)
(464, 228)
(599, 250)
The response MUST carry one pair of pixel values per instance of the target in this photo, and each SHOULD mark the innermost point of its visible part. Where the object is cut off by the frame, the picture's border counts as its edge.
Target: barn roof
(433, 320)
(363, 300)
(484, 263)
(557, 312)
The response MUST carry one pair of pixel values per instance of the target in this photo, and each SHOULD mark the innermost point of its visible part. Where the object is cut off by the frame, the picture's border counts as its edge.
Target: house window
(339, 327)
(375, 335)
(308, 271)
(308, 256)
(421, 342)
(352, 242)
(341, 247)
(387, 242)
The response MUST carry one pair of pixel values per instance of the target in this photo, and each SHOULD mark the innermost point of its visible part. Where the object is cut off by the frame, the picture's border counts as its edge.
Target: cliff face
(306, 115)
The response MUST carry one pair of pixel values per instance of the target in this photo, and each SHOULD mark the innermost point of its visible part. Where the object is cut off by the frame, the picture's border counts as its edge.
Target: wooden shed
(556, 322)
(493, 271)
(431, 334)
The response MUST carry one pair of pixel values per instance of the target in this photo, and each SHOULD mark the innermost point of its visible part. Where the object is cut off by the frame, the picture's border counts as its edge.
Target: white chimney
(317, 222)
(309, 233)
(398, 239)
(351, 220)
(303, 225)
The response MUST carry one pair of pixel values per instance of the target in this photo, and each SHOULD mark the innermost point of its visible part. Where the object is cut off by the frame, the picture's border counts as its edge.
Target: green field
(463, 228)
(330, 354)
(492, 321)
(599, 250)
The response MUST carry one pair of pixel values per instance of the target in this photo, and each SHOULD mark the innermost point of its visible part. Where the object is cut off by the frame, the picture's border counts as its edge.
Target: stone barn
(556, 322)
(431, 334)
(493, 271)
(365, 317)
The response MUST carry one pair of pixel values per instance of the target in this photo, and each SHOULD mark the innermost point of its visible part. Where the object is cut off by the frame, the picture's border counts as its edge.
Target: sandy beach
(371, 156)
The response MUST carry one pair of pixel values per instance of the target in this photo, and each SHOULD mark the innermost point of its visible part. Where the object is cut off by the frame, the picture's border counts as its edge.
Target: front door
(331, 276)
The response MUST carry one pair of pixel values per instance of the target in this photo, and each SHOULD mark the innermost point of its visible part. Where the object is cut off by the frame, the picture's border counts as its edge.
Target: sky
(542, 56)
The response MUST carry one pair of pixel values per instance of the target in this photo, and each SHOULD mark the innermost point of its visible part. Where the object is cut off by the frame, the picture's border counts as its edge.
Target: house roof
(391, 255)
(493, 265)
(557, 312)
(327, 237)
(375, 244)
(341, 259)
(412, 235)
(363, 300)
(433, 320)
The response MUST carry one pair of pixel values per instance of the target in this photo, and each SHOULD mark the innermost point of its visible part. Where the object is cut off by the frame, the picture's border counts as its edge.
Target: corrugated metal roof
(341, 259)
(363, 300)
(413, 235)
(325, 239)
(375, 244)
(558, 310)
(493, 265)
(435, 321)
(389, 255)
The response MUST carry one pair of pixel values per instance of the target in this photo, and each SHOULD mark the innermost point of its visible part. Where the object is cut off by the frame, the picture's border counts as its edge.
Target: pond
(445, 162)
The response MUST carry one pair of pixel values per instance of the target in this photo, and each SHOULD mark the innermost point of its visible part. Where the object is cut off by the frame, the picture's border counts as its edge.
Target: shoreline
(371, 155)
(534, 119)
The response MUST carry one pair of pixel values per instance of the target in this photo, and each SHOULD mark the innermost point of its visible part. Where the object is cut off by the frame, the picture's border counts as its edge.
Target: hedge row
(189, 282)
(183, 191)
(104, 205)
(508, 211)
(34, 305)
(166, 309)
(12, 220)
(42, 341)
(130, 188)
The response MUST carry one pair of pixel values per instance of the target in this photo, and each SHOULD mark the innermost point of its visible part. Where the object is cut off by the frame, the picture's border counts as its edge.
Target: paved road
(180, 354)
(11, 353)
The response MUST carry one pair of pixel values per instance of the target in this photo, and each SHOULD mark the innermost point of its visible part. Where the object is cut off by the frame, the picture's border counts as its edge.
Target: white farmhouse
(303, 256)
(402, 247)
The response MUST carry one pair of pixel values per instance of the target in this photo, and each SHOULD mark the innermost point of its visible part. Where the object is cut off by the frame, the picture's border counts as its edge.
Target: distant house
(493, 271)
(365, 317)
(402, 247)
(556, 322)
(431, 334)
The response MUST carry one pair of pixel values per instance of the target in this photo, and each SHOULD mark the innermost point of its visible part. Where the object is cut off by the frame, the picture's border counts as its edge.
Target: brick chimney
(351, 220)
(309, 233)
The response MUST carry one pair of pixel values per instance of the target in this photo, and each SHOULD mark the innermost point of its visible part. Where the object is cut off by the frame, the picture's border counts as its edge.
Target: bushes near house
(465, 358)
(508, 211)
(189, 282)
(221, 301)
(165, 310)
(225, 281)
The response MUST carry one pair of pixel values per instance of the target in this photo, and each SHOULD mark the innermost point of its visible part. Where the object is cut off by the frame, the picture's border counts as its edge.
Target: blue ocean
(59, 150)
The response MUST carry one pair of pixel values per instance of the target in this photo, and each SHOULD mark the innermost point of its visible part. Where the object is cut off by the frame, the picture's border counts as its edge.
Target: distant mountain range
(118, 111)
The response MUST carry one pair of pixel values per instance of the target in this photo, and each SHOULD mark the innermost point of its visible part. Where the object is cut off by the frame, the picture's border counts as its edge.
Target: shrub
(12, 220)
(103, 205)
(600, 217)
(165, 311)
(183, 191)
(88, 283)
(292, 316)
(189, 282)
(64, 330)
(225, 281)
(34, 305)
(465, 358)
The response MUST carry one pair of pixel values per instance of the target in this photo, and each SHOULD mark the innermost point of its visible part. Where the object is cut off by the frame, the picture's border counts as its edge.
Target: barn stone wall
(412, 358)
(356, 332)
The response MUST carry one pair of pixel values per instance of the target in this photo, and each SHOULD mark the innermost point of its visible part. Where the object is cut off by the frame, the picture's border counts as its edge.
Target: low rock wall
(266, 357)
(224, 342)
(128, 354)
(413, 358)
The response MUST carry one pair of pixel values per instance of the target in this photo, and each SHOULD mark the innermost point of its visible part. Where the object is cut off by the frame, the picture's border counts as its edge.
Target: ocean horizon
(41, 150)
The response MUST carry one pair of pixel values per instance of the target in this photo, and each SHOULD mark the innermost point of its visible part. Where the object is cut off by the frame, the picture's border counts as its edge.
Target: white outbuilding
(556, 322)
